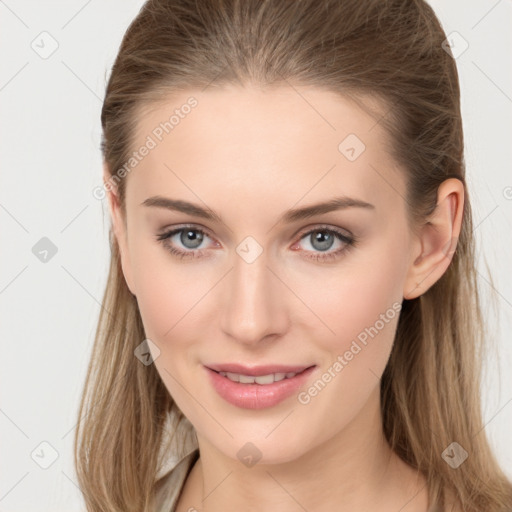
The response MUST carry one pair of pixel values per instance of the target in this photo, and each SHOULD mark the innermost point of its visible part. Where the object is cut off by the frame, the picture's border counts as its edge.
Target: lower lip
(257, 396)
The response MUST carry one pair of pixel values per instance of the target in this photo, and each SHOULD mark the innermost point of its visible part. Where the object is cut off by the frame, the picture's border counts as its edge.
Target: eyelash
(350, 242)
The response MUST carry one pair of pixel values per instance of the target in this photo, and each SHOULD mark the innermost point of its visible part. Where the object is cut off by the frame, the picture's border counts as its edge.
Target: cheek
(344, 303)
(166, 294)
(362, 306)
(359, 301)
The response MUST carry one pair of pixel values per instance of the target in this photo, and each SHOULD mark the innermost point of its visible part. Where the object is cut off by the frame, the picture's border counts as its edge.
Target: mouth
(262, 376)
(258, 371)
(257, 387)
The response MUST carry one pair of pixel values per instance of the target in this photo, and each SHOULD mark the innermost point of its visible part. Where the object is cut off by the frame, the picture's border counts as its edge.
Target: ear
(119, 226)
(437, 239)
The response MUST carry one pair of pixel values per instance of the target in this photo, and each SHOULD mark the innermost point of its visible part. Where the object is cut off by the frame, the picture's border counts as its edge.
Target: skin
(251, 154)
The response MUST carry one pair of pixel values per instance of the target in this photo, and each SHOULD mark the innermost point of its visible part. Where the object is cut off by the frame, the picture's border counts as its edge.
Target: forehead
(280, 144)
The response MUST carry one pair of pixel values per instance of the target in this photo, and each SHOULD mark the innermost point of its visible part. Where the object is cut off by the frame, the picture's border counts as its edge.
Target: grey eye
(191, 238)
(321, 240)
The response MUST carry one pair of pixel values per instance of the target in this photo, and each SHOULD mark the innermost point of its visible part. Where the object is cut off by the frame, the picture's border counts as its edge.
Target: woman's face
(249, 282)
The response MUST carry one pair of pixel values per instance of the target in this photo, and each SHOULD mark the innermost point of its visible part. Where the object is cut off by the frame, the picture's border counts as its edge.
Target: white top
(179, 452)
(170, 486)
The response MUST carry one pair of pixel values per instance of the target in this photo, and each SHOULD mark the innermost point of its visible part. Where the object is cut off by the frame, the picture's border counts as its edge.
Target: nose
(253, 303)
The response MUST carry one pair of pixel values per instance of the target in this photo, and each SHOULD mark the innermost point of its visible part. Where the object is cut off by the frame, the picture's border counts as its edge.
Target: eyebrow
(294, 215)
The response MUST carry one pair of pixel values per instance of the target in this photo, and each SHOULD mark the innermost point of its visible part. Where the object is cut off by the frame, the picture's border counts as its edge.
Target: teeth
(262, 379)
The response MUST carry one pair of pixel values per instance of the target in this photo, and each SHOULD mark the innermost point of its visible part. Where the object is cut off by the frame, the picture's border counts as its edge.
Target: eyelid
(319, 227)
(171, 231)
(343, 235)
(300, 233)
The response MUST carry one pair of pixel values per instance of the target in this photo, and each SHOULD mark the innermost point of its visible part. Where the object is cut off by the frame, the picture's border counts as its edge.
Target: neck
(354, 470)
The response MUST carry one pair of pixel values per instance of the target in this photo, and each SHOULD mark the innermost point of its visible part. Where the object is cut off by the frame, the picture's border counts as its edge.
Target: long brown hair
(391, 50)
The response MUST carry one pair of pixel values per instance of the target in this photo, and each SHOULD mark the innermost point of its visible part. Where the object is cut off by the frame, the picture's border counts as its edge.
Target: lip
(256, 371)
(258, 396)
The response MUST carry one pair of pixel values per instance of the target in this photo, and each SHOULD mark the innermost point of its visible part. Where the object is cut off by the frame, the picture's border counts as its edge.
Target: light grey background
(50, 163)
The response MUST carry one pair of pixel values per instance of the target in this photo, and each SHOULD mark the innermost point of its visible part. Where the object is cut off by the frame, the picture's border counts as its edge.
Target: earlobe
(436, 242)
(119, 227)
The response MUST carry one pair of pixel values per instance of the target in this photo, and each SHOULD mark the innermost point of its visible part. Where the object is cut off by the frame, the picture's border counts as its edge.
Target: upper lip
(256, 371)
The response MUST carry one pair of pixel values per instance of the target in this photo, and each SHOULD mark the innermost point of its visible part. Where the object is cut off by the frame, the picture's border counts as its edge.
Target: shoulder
(169, 486)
